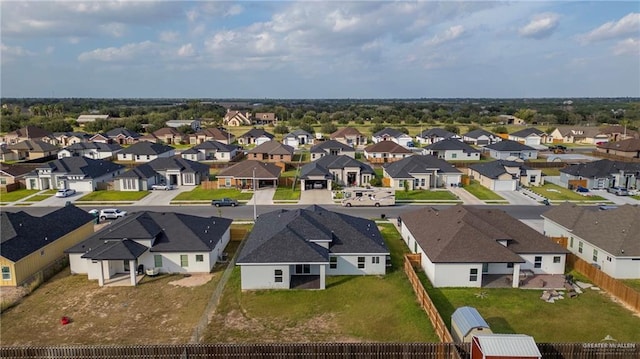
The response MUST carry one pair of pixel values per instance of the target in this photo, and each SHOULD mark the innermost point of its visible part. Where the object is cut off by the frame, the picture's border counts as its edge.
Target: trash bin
(383, 216)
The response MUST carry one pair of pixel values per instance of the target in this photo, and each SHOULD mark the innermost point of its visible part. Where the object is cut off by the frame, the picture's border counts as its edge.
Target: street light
(255, 195)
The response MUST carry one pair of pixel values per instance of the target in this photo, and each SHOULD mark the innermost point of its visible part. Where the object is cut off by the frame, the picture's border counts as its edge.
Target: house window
(416, 182)
(3, 181)
(360, 262)
(608, 259)
(227, 182)
(571, 242)
(148, 157)
(401, 184)
(579, 247)
(157, 260)
(415, 247)
(184, 260)
(303, 268)
(532, 179)
(375, 260)
(42, 252)
(473, 275)
(199, 258)
(509, 265)
(6, 273)
(454, 155)
(556, 259)
(137, 157)
(595, 255)
(333, 262)
(189, 178)
(537, 262)
(277, 275)
(422, 182)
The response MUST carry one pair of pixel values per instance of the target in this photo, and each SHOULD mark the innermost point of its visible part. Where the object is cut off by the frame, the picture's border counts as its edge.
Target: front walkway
(465, 196)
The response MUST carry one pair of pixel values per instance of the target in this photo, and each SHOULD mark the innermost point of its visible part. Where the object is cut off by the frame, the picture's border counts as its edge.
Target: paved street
(517, 197)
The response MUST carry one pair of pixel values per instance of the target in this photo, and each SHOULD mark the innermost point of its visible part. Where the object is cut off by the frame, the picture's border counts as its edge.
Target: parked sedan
(224, 202)
(62, 193)
(164, 187)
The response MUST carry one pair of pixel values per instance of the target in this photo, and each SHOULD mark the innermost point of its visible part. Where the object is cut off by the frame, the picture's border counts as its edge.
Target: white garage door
(532, 141)
(504, 185)
(83, 187)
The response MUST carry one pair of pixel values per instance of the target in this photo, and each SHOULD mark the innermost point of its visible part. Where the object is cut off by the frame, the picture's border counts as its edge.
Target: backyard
(342, 312)
(200, 194)
(556, 193)
(482, 192)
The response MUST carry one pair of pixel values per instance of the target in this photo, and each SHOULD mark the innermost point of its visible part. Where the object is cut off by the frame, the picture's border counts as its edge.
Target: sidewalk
(465, 197)
(25, 199)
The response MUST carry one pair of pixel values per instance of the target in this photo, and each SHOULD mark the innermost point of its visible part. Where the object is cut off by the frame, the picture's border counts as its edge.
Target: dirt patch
(12, 294)
(192, 280)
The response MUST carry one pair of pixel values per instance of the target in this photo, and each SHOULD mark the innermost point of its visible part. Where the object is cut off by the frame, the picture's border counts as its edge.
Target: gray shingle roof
(616, 231)
(601, 168)
(451, 144)
(324, 146)
(462, 234)
(150, 169)
(285, 236)
(527, 131)
(389, 132)
(297, 133)
(494, 169)
(146, 148)
(479, 132)
(406, 167)
(99, 146)
(122, 131)
(82, 166)
(22, 234)
(508, 145)
(322, 166)
(436, 132)
(215, 145)
(257, 132)
(33, 145)
(273, 148)
(168, 232)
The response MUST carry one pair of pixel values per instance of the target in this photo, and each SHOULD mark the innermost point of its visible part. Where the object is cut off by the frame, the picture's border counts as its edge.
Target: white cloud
(117, 54)
(186, 50)
(168, 36)
(540, 26)
(114, 29)
(627, 46)
(629, 24)
(449, 34)
(12, 53)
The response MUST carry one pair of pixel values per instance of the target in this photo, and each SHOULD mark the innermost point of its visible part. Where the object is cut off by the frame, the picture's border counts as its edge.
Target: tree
(307, 127)
(329, 128)
(281, 129)
(500, 129)
(452, 128)
(377, 127)
(526, 114)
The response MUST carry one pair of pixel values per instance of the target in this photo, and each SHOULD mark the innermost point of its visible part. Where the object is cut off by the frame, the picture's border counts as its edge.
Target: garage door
(504, 185)
(83, 187)
(315, 184)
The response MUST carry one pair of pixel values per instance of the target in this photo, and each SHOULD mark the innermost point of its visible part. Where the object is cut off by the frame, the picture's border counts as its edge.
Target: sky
(319, 49)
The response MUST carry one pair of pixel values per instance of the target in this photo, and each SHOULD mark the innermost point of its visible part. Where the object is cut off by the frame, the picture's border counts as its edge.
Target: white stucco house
(213, 151)
(608, 239)
(390, 134)
(510, 150)
(298, 249)
(505, 175)
(298, 138)
(480, 137)
(421, 172)
(164, 242)
(459, 245)
(94, 150)
(342, 170)
(145, 151)
(530, 136)
(331, 147)
(80, 173)
(452, 150)
(175, 171)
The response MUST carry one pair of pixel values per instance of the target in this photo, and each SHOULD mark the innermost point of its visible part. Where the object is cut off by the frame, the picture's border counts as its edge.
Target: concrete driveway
(263, 196)
(517, 197)
(619, 200)
(465, 196)
(54, 201)
(316, 196)
(161, 197)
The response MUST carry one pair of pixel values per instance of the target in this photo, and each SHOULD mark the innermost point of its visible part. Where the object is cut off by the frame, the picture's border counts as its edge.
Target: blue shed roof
(468, 318)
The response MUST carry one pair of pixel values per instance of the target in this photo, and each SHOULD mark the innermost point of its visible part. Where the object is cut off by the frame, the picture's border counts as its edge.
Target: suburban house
(212, 134)
(271, 151)
(390, 134)
(578, 134)
(255, 136)
(65, 139)
(452, 149)
(194, 124)
(618, 133)
(145, 151)
(30, 150)
(237, 118)
(433, 135)
(265, 118)
(28, 133)
(610, 240)
(211, 151)
(84, 119)
(459, 246)
(480, 137)
(601, 174)
(503, 175)
(420, 172)
(349, 136)
(510, 150)
(242, 174)
(120, 135)
(175, 171)
(341, 170)
(6, 154)
(12, 175)
(80, 173)
(386, 151)
(94, 150)
(155, 241)
(298, 138)
(168, 135)
(331, 147)
(529, 136)
(629, 148)
(297, 249)
(30, 245)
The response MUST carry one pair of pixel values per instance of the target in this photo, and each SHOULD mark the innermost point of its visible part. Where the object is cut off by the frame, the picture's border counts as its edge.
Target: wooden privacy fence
(238, 234)
(426, 303)
(604, 281)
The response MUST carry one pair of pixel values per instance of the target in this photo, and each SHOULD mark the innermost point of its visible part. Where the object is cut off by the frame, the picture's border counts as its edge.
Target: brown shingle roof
(245, 169)
(629, 145)
(33, 145)
(166, 131)
(343, 132)
(31, 132)
(273, 148)
(386, 146)
(461, 234)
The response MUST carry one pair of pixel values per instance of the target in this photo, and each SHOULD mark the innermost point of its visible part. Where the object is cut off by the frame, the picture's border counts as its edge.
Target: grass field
(16, 195)
(551, 171)
(286, 194)
(38, 198)
(199, 194)
(557, 193)
(425, 195)
(342, 312)
(100, 196)
(632, 283)
(482, 192)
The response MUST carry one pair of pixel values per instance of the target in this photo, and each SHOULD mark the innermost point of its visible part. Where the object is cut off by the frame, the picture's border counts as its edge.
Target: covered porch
(115, 262)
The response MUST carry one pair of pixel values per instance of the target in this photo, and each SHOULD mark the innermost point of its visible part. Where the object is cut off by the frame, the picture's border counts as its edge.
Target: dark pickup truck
(224, 202)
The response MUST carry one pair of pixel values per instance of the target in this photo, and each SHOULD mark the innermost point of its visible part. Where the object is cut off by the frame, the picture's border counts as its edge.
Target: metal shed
(504, 346)
(467, 322)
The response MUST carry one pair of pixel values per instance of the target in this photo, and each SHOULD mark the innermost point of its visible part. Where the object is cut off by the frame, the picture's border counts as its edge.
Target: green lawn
(482, 192)
(16, 195)
(342, 312)
(286, 194)
(557, 193)
(425, 195)
(551, 171)
(303, 156)
(632, 283)
(289, 173)
(38, 198)
(199, 194)
(102, 196)
(379, 172)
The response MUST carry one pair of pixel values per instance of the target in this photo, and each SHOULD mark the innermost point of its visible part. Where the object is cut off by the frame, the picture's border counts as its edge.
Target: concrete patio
(537, 281)
(121, 280)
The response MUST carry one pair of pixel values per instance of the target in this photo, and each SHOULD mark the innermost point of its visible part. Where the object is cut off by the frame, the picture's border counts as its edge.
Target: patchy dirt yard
(152, 312)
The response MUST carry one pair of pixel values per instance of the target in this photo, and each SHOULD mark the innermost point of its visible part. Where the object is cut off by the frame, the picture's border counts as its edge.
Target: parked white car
(66, 192)
(164, 187)
(112, 213)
